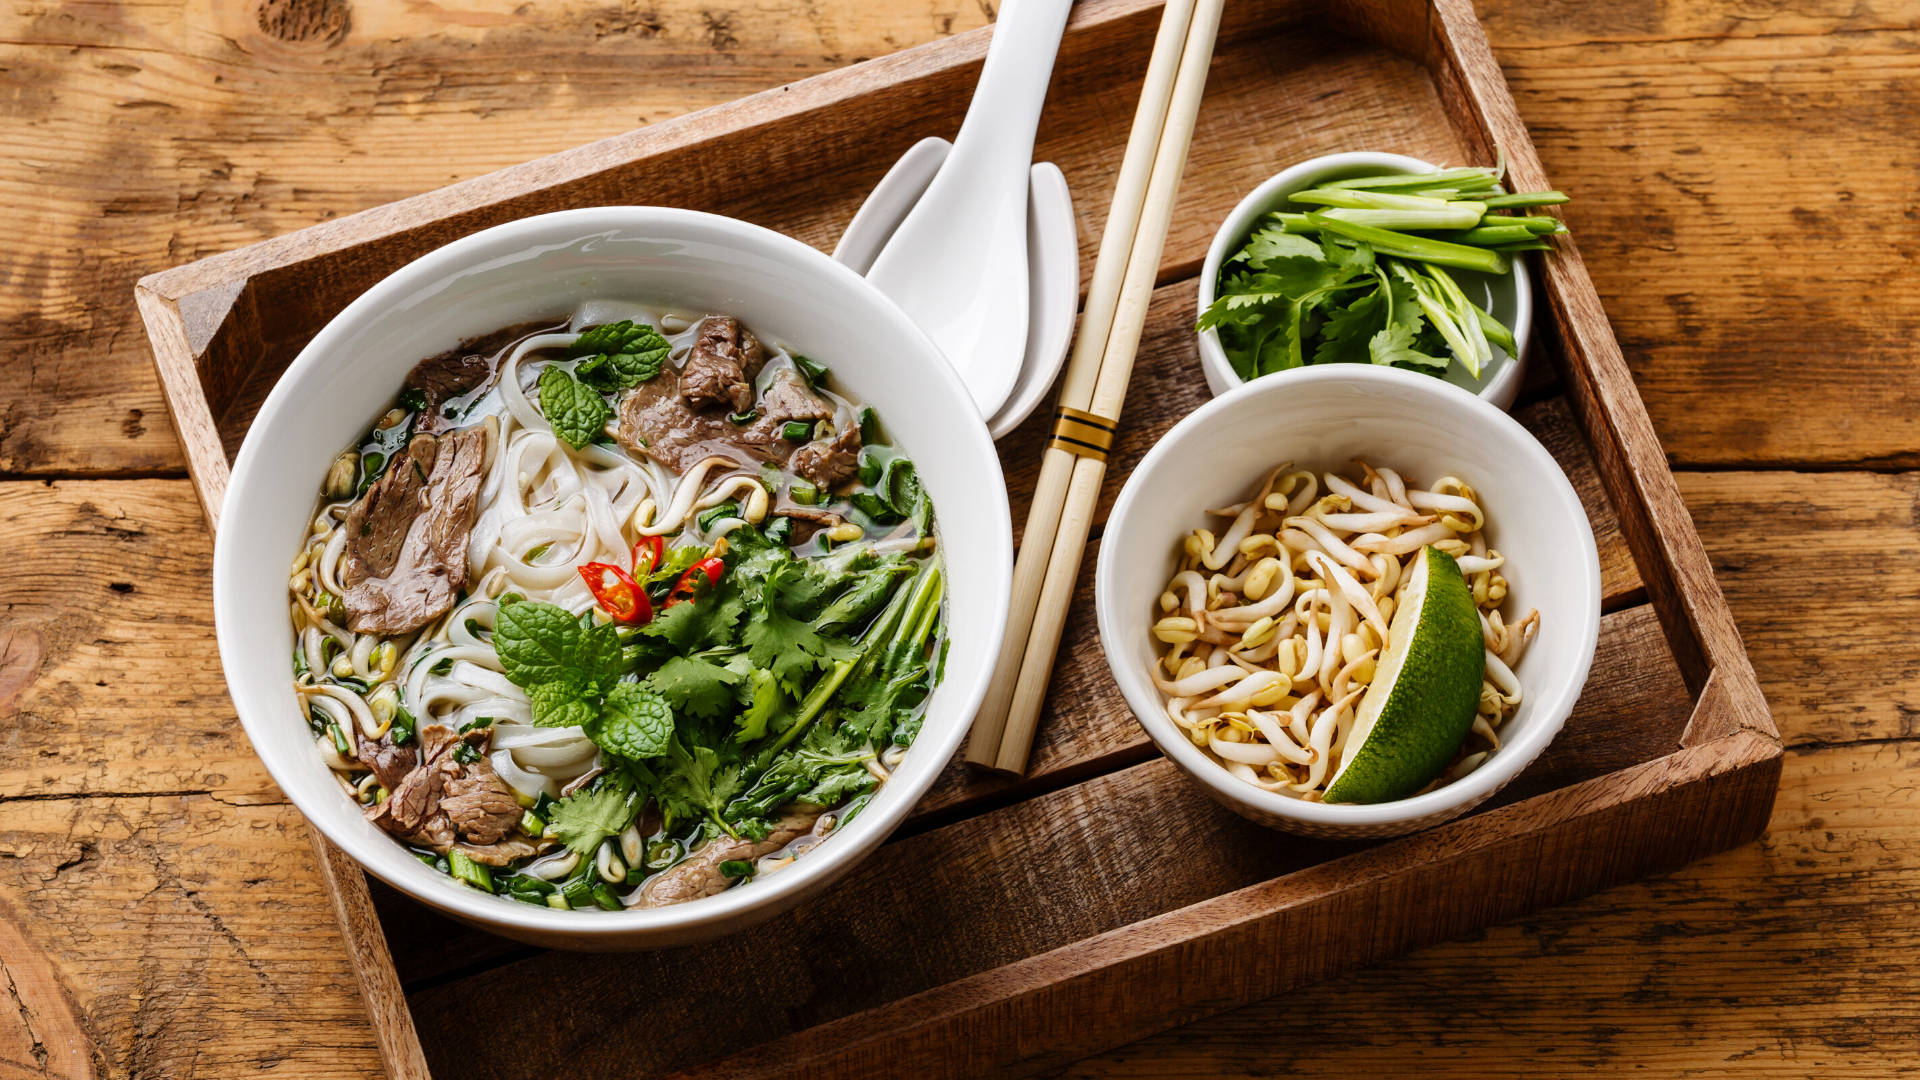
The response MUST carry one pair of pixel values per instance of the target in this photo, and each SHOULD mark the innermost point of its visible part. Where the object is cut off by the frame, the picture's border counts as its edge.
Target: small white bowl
(544, 267)
(1508, 298)
(1322, 418)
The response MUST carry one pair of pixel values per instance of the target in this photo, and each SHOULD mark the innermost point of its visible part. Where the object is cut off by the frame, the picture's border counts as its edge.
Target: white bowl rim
(1460, 795)
(632, 926)
(1214, 356)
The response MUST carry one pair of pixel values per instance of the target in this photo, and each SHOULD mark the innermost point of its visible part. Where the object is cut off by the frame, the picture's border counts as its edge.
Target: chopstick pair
(1124, 275)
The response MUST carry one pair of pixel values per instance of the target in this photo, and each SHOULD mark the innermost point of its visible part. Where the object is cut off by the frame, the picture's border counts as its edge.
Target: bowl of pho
(1338, 260)
(1351, 601)
(613, 578)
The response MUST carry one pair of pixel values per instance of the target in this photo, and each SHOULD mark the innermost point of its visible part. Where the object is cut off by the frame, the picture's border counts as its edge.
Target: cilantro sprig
(1360, 273)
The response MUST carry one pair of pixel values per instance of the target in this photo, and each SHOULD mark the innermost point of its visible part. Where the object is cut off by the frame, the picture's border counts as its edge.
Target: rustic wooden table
(1743, 185)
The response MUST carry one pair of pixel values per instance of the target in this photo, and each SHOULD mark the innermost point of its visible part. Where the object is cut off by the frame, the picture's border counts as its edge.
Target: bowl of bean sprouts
(1251, 564)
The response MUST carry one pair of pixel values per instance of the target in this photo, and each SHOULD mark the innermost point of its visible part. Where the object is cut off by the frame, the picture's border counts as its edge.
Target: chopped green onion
(339, 740)
(804, 493)
(661, 854)
(606, 898)
(869, 425)
(1470, 176)
(810, 370)
(796, 430)
(532, 824)
(742, 419)
(403, 725)
(1526, 198)
(558, 901)
(1487, 235)
(1424, 249)
(737, 868)
(476, 723)
(716, 513)
(465, 869)
(577, 890)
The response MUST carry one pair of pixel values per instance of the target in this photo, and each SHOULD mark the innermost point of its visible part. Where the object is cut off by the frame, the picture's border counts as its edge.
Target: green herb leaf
(765, 702)
(537, 642)
(619, 355)
(561, 704)
(785, 645)
(577, 412)
(635, 723)
(582, 821)
(694, 686)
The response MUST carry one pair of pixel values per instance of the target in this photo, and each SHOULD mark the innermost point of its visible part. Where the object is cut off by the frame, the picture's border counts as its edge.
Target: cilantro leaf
(1273, 243)
(783, 644)
(765, 701)
(695, 686)
(701, 623)
(576, 411)
(695, 783)
(634, 723)
(582, 821)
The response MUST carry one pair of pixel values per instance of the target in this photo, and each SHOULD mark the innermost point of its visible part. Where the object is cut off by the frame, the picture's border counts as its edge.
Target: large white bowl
(543, 267)
(1508, 297)
(1322, 418)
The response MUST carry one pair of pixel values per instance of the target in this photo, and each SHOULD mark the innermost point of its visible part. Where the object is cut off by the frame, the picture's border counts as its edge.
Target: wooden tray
(1011, 926)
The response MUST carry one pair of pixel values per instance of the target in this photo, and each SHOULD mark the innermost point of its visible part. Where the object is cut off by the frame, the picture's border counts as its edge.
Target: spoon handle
(998, 133)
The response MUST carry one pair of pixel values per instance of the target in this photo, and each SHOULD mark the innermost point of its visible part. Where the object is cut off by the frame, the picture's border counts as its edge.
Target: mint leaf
(576, 412)
(582, 821)
(537, 642)
(619, 355)
(596, 658)
(694, 686)
(634, 723)
(560, 704)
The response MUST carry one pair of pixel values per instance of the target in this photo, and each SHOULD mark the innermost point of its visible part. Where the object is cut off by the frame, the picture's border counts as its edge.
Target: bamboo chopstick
(1083, 369)
(1110, 343)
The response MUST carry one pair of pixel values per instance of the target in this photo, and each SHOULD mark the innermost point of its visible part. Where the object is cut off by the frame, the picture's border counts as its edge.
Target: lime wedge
(1425, 690)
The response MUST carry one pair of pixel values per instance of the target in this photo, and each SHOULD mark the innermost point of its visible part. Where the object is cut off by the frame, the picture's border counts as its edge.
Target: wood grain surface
(1742, 176)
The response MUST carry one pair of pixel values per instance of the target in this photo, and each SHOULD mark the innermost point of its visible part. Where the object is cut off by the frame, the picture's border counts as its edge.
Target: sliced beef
(808, 520)
(698, 875)
(829, 461)
(502, 853)
(390, 763)
(788, 397)
(721, 366)
(444, 800)
(655, 420)
(406, 553)
(480, 804)
(460, 371)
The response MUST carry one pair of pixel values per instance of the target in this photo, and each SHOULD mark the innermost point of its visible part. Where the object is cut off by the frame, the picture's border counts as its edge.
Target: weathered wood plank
(1785, 958)
(191, 935)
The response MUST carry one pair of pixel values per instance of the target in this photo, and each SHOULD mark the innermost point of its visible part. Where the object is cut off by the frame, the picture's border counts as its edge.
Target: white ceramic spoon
(958, 264)
(1053, 276)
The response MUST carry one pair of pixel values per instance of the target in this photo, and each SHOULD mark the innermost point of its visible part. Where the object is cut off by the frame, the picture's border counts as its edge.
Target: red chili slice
(622, 598)
(684, 589)
(648, 553)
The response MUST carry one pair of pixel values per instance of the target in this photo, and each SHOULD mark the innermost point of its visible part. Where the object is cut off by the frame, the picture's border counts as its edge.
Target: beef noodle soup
(617, 613)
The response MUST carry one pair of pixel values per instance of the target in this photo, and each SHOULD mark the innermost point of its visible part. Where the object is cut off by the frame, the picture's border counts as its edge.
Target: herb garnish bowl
(1508, 297)
(541, 268)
